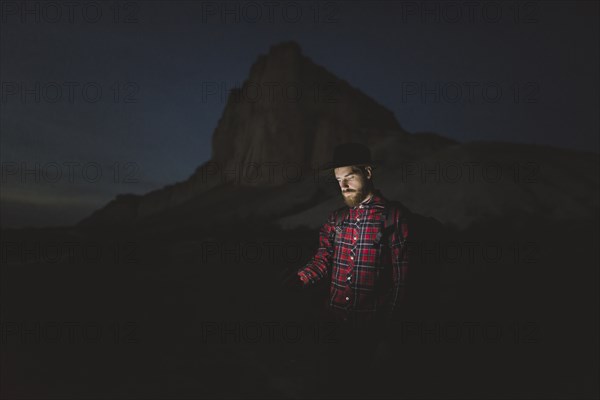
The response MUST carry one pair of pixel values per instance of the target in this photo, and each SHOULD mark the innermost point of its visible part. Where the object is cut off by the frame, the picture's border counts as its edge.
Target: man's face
(354, 184)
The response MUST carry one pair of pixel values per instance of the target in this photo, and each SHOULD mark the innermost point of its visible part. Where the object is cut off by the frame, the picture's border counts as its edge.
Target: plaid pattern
(366, 277)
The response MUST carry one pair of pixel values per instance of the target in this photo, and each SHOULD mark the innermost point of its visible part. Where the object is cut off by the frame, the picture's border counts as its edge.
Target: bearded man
(366, 262)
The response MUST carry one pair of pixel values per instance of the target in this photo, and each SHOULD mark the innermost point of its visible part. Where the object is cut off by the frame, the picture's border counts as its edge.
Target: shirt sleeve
(320, 265)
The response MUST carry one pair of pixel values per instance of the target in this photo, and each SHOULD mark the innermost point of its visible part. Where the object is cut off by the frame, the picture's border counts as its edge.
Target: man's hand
(295, 279)
(303, 278)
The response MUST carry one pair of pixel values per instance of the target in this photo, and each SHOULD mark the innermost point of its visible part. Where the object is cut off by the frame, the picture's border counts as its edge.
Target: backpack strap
(390, 214)
(341, 216)
(406, 216)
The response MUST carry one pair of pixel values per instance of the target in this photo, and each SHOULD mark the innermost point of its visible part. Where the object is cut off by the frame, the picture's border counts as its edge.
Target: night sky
(152, 123)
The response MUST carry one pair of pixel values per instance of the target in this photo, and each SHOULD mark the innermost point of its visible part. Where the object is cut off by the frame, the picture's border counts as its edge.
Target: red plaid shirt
(367, 278)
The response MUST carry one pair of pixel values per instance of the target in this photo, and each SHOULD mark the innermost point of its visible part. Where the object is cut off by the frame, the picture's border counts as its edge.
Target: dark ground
(150, 323)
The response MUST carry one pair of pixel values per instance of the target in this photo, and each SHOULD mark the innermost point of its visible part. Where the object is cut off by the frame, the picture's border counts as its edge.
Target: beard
(354, 197)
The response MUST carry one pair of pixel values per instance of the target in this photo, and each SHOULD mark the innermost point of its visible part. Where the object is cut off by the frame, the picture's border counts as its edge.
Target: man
(367, 267)
(362, 252)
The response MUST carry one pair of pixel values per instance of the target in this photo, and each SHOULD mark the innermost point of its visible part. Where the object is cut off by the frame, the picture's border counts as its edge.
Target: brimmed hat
(348, 154)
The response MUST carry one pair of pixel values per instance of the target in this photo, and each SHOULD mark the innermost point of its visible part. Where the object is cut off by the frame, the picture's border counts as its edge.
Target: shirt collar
(376, 200)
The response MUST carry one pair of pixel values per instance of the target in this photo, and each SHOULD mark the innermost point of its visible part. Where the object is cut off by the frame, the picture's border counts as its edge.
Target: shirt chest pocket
(344, 240)
(375, 257)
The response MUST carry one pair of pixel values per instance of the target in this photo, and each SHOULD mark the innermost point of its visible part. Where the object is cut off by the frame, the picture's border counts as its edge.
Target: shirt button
(352, 257)
(354, 237)
(347, 298)
(349, 278)
(358, 219)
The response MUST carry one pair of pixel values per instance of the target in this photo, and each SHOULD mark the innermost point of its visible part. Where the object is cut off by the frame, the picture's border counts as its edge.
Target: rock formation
(285, 120)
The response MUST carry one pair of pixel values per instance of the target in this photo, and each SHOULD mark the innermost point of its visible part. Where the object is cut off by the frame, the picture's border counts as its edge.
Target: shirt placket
(357, 219)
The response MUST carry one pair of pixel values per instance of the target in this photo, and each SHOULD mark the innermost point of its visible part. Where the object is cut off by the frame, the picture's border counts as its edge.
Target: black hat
(350, 154)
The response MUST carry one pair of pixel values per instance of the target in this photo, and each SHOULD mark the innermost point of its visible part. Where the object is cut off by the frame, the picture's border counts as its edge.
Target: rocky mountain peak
(291, 110)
